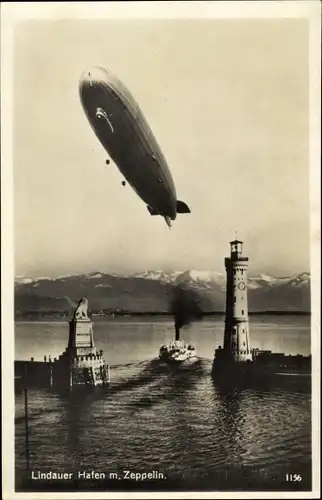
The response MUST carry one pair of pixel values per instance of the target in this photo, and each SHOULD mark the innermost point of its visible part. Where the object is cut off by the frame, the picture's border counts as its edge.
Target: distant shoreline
(33, 315)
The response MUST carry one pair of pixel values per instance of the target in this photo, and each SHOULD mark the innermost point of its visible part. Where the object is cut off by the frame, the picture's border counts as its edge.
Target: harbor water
(178, 423)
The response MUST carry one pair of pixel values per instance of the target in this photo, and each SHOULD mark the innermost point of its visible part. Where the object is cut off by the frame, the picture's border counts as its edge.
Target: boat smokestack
(185, 307)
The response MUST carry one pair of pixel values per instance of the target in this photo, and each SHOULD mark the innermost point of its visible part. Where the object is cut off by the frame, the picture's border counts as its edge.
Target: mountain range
(152, 291)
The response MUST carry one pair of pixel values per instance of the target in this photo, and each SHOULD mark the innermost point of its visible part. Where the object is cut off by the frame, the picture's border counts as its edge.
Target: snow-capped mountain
(22, 280)
(191, 277)
(152, 290)
(207, 279)
(302, 279)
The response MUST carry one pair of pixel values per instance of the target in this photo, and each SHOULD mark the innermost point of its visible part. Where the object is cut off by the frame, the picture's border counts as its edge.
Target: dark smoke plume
(185, 307)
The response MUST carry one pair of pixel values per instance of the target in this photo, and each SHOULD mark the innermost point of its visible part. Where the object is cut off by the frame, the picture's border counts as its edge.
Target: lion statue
(81, 309)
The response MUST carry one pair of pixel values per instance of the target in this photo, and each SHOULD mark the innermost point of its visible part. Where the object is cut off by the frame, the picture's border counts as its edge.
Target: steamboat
(177, 351)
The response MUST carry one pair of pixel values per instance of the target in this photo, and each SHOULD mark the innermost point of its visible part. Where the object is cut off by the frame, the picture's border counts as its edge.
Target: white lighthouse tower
(236, 339)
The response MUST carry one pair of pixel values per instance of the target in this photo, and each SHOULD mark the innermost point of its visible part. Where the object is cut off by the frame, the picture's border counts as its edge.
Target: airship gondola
(123, 131)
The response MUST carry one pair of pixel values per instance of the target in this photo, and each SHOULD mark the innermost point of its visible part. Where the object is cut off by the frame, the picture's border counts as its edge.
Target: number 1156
(293, 477)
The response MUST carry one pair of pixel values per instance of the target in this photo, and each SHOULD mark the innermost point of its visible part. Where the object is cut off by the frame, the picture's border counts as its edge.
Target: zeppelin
(126, 136)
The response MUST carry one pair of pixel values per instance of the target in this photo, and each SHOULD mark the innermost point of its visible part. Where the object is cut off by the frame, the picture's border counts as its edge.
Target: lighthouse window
(242, 311)
(234, 299)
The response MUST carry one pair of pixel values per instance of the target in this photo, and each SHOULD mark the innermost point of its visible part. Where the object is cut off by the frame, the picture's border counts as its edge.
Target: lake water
(180, 424)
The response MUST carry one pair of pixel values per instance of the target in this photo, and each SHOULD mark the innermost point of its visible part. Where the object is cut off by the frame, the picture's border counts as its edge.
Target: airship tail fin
(182, 208)
(152, 211)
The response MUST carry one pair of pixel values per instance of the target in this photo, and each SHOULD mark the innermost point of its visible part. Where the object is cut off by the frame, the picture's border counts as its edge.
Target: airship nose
(93, 75)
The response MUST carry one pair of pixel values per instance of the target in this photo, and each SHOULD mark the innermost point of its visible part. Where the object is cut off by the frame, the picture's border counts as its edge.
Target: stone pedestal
(81, 338)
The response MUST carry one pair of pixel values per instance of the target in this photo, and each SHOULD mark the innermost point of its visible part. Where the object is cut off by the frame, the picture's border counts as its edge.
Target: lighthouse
(236, 339)
(236, 363)
(236, 352)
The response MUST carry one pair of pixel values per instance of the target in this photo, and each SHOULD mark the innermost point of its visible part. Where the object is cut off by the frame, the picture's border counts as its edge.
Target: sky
(228, 103)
